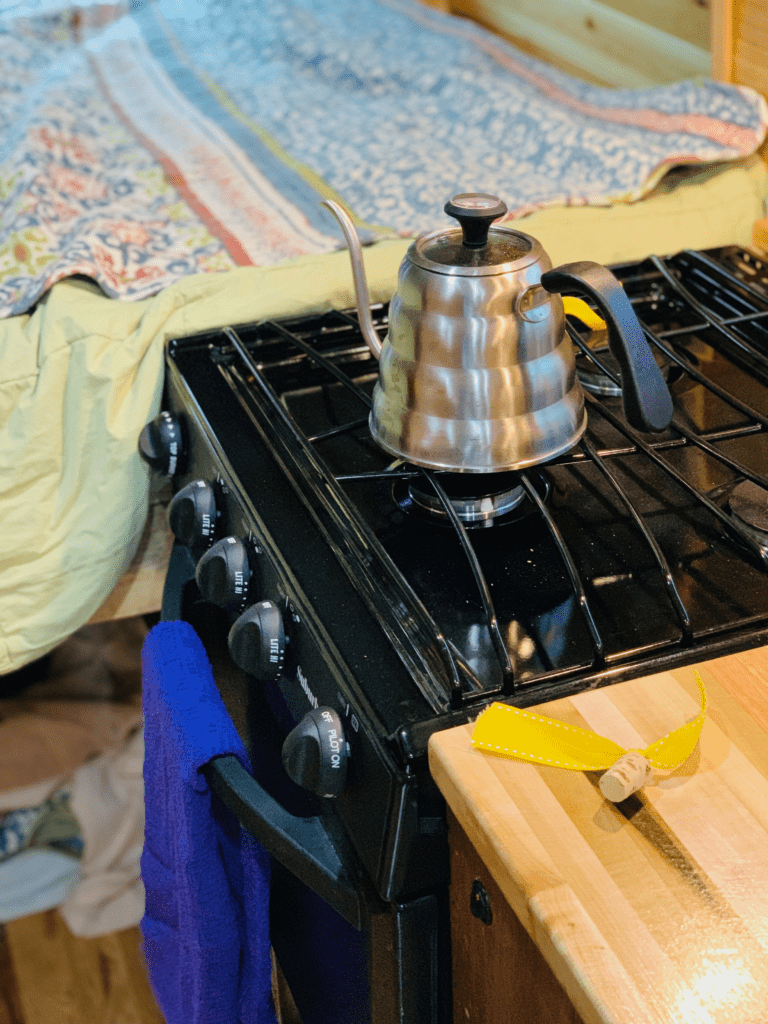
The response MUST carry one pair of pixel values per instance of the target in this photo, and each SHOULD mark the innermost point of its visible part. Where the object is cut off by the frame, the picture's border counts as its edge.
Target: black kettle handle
(646, 398)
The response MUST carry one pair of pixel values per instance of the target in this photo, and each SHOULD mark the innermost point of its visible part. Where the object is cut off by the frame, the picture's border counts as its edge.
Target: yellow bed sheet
(82, 374)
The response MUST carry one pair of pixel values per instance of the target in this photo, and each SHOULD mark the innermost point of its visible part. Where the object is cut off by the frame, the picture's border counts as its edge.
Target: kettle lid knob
(475, 212)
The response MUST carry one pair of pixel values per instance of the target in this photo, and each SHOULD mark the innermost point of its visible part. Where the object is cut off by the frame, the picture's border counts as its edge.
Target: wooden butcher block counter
(652, 911)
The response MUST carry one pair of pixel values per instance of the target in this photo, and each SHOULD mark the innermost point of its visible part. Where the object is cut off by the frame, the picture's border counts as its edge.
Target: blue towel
(206, 925)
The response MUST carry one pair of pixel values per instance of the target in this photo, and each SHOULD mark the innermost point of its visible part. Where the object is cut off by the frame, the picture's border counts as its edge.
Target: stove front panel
(336, 654)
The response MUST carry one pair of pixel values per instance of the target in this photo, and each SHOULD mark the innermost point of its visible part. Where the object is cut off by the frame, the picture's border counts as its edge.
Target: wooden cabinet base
(498, 973)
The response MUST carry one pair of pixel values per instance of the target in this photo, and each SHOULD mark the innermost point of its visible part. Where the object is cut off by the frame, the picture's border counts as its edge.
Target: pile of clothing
(71, 787)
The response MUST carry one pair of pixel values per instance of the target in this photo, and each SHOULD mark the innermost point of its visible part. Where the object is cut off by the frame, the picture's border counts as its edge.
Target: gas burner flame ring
(479, 499)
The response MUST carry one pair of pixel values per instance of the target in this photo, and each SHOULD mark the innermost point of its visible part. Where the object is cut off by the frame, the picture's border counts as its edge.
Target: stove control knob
(161, 444)
(257, 641)
(223, 574)
(315, 753)
(192, 514)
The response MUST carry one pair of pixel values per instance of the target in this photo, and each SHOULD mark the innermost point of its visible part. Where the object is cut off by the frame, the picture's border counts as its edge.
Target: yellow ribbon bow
(527, 736)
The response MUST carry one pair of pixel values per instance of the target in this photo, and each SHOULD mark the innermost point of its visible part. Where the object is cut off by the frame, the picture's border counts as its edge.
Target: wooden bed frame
(671, 40)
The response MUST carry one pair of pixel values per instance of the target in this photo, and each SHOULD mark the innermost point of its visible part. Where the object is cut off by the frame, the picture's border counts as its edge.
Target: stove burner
(478, 498)
(596, 382)
(749, 506)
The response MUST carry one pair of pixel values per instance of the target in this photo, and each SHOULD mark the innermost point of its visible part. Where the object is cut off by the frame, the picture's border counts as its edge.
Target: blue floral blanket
(150, 139)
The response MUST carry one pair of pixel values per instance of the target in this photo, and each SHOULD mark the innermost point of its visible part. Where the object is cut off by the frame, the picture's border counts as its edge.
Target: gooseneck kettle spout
(358, 276)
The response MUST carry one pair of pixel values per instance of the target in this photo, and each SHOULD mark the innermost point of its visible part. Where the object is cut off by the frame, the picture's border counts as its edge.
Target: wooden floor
(49, 976)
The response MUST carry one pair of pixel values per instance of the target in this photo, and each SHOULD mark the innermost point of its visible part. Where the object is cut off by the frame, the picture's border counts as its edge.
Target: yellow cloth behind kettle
(579, 308)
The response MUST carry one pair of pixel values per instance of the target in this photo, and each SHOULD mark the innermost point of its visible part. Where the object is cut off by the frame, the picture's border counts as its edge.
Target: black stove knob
(192, 514)
(257, 641)
(223, 574)
(315, 753)
(161, 444)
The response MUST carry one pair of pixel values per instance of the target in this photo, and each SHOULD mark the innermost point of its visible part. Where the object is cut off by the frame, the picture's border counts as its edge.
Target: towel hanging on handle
(206, 926)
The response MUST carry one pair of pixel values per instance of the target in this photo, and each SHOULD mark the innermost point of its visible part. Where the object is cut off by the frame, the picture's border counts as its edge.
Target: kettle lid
(475, 247)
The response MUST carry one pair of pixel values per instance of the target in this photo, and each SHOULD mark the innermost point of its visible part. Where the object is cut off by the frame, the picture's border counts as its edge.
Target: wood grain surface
(49, 976)
(653, 911)
(605, 41)
(499, 976)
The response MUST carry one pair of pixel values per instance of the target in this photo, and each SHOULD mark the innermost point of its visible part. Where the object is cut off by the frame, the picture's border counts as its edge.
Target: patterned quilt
(150, 139)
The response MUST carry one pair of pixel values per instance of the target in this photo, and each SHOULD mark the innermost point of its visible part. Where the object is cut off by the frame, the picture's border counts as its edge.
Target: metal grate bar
(582, 345)
(716, 511)
(573, 456)
(691, 371)
(729, 321)
(713, 321)
(353, 321)
(710, 385)
(508, 680)
(715, 453)
(313, 354)
(578, 587)
(675, 332)
(672, 592)
(392, 472)
(745, 318)
(455, 688)
(720, 268)
(344, 428)
(469, 674)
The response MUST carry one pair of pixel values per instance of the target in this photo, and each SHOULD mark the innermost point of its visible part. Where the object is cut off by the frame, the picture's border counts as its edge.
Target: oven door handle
(301, 845)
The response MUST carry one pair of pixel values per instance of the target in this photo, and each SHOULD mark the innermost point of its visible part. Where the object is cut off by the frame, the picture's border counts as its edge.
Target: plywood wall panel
(686, 19)
(749, 44)
(594, 37)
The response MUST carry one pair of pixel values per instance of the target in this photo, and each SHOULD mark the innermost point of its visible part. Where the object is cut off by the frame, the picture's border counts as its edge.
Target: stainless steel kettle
(477, 373)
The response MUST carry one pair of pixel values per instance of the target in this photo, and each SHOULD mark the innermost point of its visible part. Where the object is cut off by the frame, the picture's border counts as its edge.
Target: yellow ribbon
(526, 736)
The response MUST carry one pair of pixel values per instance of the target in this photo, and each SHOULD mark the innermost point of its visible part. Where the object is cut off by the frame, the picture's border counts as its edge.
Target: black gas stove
(333, 581)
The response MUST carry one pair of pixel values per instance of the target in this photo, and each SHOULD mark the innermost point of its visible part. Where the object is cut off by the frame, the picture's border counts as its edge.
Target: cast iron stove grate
(628, 554)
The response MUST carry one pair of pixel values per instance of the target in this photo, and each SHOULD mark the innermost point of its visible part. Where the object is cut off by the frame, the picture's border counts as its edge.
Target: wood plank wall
(623, 43)
(634, 42)
(740, 42)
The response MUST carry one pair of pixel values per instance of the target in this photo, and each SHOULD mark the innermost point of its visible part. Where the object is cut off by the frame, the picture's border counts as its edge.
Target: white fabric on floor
(80, 725)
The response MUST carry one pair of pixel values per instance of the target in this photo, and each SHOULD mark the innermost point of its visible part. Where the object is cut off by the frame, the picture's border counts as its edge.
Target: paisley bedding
(144, 141)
